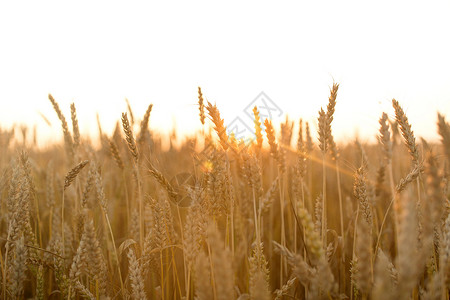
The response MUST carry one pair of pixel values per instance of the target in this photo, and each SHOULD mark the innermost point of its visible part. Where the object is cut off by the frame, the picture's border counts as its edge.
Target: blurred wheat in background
(286, 216)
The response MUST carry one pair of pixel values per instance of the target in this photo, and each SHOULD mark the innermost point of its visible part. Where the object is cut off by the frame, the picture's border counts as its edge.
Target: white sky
(97, 53)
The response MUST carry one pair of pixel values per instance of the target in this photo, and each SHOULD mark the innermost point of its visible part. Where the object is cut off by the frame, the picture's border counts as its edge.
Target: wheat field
(286, 216)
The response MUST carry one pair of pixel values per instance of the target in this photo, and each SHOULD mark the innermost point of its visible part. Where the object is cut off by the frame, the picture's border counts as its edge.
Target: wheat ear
(75, 128)
(129, 137)
(201, 106)
(407, 133)
(70, 177)
(219, 126)
(130, 111)
(444, 132)
(135, 275)
(258, 129)
(143, 133)
(67, 136)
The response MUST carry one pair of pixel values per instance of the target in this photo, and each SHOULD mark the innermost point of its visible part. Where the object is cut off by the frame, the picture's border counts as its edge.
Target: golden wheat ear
(68, 141)
(129, 137)
(444, 132)
(72, 174)
(219, 126)
(258, 129)
(201, 106)
(407, 133)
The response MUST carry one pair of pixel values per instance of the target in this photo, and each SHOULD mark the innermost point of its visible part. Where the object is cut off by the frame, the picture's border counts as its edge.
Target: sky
(97, 53)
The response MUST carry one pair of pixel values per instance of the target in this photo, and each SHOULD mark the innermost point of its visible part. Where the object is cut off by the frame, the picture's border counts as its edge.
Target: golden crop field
(285, 216)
